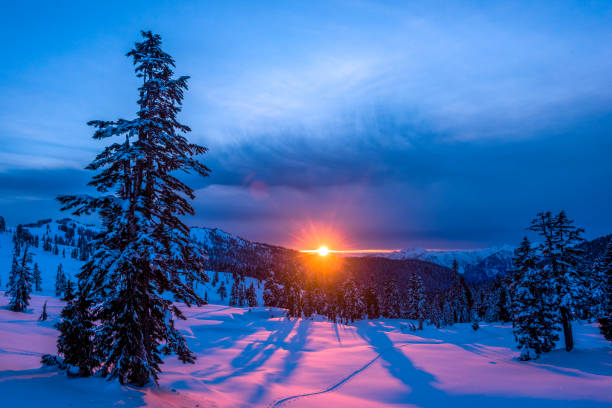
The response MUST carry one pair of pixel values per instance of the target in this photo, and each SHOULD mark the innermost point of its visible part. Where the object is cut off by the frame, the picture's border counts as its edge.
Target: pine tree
(420, 299)
(233, 299)
(222, 291)
(561, 258)
(60, 281)
(534, 323)
(37, 278)
(14, 267)
(391, 300)
(21, 284)
(76, 339)
(251, 296)
(272, 292)
(144, 249)
(2, 224)
(605, 271)
(43, 315)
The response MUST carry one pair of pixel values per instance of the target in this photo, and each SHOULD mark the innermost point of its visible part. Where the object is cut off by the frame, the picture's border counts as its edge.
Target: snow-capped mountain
(476, 265)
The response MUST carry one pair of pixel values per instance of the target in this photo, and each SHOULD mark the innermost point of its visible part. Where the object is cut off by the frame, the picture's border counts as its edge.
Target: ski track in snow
(330, 388)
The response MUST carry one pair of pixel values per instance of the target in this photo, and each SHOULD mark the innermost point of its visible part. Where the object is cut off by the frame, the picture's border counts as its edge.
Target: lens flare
(323, 250)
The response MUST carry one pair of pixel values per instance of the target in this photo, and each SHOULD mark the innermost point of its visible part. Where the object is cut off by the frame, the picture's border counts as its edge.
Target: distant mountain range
(227, 252)
(476, 265)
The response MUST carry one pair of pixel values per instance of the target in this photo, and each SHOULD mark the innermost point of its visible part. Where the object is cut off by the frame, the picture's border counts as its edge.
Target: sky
(355, 124)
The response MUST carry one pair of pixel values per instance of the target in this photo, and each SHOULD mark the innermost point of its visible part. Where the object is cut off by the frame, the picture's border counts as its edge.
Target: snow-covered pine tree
(144, 249)
(272, 292)
(391, 300)
(14, 266)
(60, 281)
(37, 278)
(561, 258)
(233, 298)
(241, 294)
(533, 321)
(21, 283)
(222, 291)
(251, 296)
(76, 339)
(605, 270)
(420, 299)
(371, 300)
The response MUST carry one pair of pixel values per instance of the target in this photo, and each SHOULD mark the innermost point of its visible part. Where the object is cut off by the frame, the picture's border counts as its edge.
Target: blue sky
(391, 124)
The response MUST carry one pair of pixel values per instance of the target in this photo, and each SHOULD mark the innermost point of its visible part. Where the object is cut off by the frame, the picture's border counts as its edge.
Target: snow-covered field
(259, 358)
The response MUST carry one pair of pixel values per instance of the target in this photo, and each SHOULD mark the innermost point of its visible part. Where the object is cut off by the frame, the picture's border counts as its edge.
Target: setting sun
(323, 250)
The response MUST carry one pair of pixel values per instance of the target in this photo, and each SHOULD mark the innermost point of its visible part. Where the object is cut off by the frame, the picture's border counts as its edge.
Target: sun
(323, 250)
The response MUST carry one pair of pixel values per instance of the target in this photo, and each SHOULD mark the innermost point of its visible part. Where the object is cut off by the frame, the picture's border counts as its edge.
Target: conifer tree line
(119, 322)
(304, 294)
(551, 285)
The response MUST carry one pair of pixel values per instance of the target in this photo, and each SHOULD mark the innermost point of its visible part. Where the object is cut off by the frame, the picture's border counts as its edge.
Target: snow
(446, 257)
(47, 261)
(259, 358)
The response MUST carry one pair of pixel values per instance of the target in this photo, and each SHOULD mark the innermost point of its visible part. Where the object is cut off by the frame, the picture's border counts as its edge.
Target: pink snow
(259, 358)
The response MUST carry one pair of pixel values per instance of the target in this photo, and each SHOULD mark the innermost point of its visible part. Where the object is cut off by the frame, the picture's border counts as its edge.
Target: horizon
(409, 129)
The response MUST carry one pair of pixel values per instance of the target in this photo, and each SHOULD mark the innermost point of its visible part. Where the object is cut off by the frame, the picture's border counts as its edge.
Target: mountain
(475, 265)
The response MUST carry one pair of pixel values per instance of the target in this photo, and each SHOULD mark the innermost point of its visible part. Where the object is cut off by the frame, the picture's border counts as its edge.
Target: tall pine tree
(560, 257)
(37, 278)
(21, 283)
(535, 320)
(605, 271)
(143, 249)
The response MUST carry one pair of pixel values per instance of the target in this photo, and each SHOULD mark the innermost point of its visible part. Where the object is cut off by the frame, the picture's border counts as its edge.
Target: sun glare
(323, 251)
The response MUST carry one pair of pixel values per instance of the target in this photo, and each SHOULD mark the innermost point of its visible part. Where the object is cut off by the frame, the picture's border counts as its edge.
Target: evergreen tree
(371, 301)
(222, 291)
(14, 267)
(60, 281)
(561, 259)
(2, 224)
(272, 292)
(420, 299)
(605, 271)
(391, 300)
(21, 284)
(143, 249)
(534, 323)
(37, 278)
(251, 296)
(76, 338)
(233, 299)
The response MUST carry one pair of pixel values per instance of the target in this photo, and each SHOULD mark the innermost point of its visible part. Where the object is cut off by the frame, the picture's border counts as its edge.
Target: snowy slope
(47, 263)
(258, 359)
(446, 258)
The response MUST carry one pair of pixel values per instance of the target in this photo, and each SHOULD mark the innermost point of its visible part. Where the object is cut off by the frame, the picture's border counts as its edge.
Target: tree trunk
(567, 329)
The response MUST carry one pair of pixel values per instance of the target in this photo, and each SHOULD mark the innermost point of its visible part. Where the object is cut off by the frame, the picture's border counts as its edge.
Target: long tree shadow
(257, 353)
(296, 348)
(420, 383)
